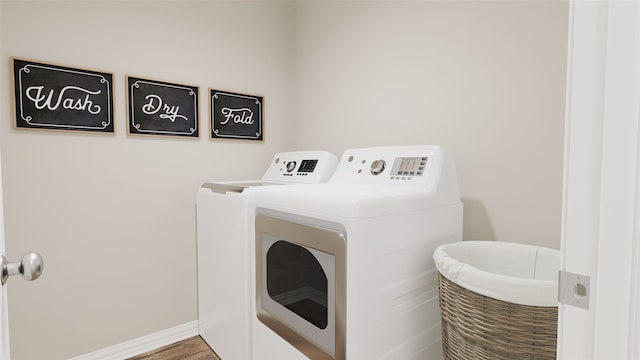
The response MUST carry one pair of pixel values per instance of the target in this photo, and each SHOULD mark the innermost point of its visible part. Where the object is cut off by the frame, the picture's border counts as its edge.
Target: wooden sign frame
(235, 116)
(58, 97)
(162, 108)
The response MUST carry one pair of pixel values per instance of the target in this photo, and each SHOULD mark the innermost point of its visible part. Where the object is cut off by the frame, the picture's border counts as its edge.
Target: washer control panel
(301, 167)
(403, 165)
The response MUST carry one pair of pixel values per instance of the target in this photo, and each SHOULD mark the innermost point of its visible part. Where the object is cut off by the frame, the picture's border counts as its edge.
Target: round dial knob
(291, 165)
(378, 167)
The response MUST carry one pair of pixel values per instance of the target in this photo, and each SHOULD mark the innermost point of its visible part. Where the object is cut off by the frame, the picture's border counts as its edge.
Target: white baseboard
(143, 344)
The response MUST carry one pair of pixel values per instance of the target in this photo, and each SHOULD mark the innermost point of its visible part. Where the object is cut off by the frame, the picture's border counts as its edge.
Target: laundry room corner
(484, 79)
(113, 215)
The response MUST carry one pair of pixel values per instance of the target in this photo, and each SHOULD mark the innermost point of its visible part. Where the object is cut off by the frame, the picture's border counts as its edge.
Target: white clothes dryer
(223, 224)
(344, 269)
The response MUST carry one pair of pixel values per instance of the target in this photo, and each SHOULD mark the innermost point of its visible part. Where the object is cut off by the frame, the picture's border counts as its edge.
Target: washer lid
(238, 187)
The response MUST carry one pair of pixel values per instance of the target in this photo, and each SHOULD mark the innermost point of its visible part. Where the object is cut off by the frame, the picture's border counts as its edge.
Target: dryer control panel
(411, 166)
(305, 167)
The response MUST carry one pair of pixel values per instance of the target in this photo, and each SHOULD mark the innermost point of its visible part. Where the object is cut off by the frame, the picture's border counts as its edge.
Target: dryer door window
(300, 282)
(296, 280)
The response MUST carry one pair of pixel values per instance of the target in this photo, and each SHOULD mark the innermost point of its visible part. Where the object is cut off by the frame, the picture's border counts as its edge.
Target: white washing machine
(344, 269)
(223, 224)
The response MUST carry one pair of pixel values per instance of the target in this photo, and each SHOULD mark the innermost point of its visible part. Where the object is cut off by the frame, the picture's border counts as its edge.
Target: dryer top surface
(350, 200)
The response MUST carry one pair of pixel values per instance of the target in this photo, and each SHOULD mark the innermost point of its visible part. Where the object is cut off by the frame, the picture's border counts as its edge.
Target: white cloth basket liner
(516, 273)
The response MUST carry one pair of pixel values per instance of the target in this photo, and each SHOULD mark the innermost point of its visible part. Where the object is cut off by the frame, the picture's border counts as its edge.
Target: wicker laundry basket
(498, 300)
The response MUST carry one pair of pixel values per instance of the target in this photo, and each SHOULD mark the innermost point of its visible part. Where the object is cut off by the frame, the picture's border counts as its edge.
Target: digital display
(409, 166)
(307, 166)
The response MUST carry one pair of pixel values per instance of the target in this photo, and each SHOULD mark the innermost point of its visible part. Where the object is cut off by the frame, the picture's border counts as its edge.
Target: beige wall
(484, 79)
(114, 215)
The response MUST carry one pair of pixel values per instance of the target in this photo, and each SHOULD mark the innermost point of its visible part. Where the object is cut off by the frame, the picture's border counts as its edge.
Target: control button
(291, 165)
(378, 167)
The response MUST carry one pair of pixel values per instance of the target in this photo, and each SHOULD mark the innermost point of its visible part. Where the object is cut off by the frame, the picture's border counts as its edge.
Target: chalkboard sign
(235, 116)
(50, 96)
(162, 108)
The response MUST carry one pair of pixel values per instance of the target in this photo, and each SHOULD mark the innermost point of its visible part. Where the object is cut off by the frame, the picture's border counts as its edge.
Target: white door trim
(4, 309)
(600, 224)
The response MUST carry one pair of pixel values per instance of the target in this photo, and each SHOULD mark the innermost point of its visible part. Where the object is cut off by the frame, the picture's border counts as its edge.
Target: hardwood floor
(189, 349)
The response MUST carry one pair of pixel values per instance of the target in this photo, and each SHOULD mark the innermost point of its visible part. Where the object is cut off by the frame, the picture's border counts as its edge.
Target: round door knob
(30, 267)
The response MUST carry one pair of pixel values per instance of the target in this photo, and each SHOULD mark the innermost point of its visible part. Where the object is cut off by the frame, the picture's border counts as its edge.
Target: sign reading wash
(58, 97)
(161, 108)
(235, 116)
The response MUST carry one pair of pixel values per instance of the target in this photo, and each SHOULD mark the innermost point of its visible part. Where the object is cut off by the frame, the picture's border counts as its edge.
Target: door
(4, 318)
(4, 321)
(601, 202)
(300, 282)
(30, 268)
